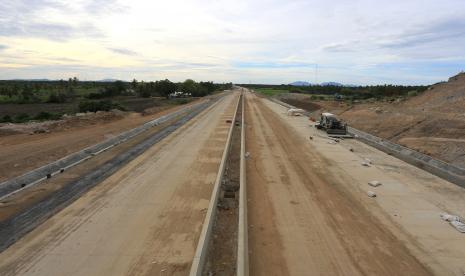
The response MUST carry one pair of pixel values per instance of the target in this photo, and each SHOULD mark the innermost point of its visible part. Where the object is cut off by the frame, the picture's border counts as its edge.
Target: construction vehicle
(332, 125)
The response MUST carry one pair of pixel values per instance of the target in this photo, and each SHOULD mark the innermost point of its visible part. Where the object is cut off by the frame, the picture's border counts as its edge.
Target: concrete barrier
(425, 162)
(198, 262)
(242, 233)
(437, 167)
(36, 176)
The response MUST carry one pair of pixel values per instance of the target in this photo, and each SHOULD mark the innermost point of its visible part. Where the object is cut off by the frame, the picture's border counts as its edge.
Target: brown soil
(26, 148)
(27, 198)
(305, 104)
(301, 219)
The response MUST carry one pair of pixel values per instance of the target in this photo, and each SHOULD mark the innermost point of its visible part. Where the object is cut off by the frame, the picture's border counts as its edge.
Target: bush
(6, 119)
(95, 95)
(94, 106)
(57, 98)
(144, 93)
(21, 118)
(44, 116)
(412, 93)
(181, 101)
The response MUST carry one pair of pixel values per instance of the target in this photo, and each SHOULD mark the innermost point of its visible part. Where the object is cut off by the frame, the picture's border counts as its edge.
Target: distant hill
(31, 80)
(43, 80)
(304, 83)
(331, 83)
(107, 80)
(300, 83)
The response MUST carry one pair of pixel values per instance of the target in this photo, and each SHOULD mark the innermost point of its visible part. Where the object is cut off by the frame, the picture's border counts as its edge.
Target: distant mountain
(107, 80)
(31, 80)
(300, 83)
(331, 83)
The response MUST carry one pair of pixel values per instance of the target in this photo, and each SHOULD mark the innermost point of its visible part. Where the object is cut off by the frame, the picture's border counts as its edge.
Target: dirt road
(302, 220)
(143, 220)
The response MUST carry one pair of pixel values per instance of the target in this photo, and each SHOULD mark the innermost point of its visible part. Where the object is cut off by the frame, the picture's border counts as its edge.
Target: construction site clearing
(244, 186)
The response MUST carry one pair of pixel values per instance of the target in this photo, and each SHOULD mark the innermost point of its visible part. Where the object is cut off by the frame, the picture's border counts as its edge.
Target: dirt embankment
(24, 147)
(432, 123)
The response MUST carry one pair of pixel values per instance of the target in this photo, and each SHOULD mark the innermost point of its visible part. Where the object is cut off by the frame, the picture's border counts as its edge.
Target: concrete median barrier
(242, 233)
(199, 260)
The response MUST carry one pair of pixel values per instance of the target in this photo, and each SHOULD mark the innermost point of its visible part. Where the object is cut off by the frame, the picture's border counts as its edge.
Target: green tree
(209, 86)
(134, 84)
(27, 93)
(70, 92)
(165, 87)
(56, 97)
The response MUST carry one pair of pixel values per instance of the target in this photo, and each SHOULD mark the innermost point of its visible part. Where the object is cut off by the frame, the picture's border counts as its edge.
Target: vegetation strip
(17, 226)
(338, 91)
(39, 100)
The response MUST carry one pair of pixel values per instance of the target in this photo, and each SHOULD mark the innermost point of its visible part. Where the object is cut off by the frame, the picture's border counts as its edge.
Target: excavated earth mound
(432, 122)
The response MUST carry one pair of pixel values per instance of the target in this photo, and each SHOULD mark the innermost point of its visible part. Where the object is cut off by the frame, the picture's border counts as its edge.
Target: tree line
(66, 91)
(165, 87)
(355, 92)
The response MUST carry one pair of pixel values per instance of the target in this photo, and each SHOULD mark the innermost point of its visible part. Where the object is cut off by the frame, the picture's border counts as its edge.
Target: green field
(271, 92)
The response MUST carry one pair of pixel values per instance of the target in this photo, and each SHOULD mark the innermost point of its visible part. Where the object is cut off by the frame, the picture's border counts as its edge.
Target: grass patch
(271, 92)
(94, 106)
(181, 101)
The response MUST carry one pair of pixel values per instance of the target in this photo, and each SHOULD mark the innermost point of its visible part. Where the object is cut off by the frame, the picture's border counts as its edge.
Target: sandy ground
(309, 213)
(20, 153)
(143, 220)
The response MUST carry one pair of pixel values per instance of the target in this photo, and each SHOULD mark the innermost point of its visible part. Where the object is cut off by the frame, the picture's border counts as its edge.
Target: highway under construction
(231, 185)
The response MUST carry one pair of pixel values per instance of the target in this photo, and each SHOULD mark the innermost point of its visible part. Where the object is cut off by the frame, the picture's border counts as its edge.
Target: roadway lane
(302, 220)
(144, 219)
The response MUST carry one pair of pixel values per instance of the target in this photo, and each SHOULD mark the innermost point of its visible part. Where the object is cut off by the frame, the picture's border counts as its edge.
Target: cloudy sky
(258, 41)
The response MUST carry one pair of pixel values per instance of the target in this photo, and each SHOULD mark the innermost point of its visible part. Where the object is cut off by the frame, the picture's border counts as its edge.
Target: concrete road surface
(143, 220)
(309, 213)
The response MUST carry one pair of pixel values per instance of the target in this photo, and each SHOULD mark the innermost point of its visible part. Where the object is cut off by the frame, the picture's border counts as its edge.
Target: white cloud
(358, 41)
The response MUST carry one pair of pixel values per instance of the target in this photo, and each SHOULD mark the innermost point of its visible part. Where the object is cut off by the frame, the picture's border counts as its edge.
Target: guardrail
(12, 186)
(242, 233)
(425, 162)
(199, 260)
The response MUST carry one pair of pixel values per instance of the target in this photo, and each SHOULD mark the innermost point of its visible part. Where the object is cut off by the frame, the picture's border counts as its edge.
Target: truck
(332, 125)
